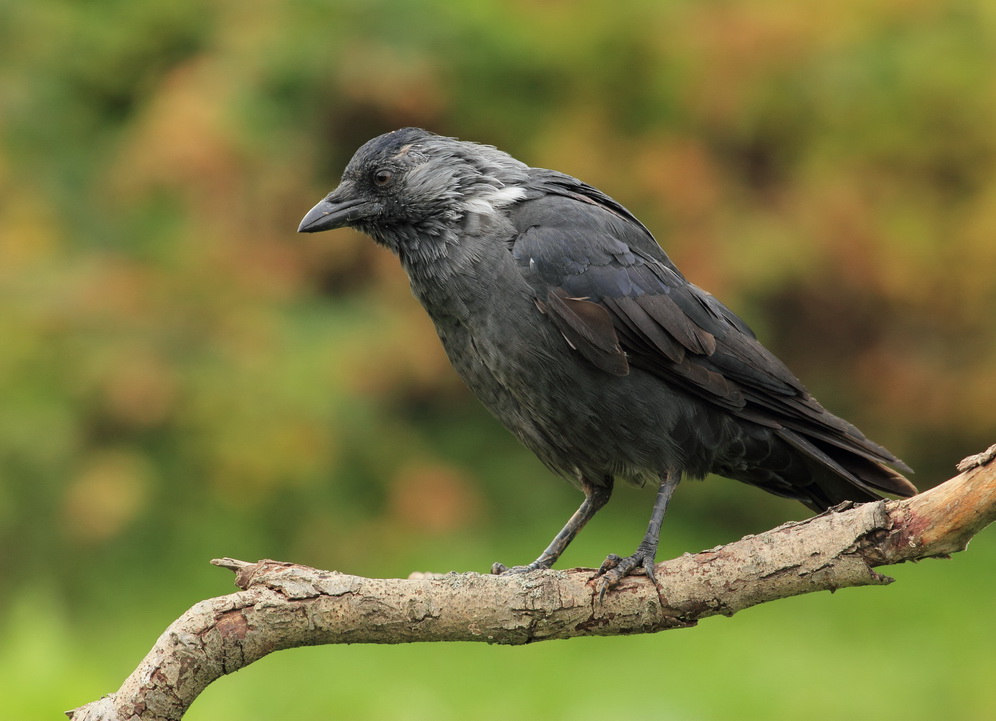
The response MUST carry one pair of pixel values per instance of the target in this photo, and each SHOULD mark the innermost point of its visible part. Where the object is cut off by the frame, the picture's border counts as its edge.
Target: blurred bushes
(180, 372)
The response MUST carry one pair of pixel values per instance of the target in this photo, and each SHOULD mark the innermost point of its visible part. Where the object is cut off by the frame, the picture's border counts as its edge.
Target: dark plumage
(567, 320)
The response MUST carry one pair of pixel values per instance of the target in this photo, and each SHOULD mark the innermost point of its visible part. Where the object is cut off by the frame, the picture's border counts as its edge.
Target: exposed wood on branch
(284, 605)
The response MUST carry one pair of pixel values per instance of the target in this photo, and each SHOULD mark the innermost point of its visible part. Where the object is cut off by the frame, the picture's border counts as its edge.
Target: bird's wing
(620, 302)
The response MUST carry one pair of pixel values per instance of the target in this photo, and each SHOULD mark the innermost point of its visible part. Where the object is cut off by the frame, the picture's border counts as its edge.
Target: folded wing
(621, 303)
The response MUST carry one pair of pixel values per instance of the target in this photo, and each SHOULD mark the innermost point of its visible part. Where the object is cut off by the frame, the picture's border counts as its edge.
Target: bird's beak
(339, 208)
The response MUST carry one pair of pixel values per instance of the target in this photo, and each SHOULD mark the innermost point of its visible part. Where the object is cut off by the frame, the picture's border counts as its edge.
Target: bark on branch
(283, 605)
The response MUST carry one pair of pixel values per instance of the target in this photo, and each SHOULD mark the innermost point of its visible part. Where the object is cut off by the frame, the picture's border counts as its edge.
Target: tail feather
(838, 474)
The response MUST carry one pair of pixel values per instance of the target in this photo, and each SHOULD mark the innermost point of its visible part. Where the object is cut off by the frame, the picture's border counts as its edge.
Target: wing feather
(588, 328)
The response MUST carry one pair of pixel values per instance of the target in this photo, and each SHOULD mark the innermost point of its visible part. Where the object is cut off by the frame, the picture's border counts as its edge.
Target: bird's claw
(615, 568)
(500, 569)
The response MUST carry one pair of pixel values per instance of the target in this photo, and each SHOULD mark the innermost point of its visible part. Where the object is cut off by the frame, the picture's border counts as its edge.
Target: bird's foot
(614, 569)
(500, 569)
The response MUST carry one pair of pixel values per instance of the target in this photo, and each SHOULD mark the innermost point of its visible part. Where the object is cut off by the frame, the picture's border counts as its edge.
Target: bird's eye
(382, 177)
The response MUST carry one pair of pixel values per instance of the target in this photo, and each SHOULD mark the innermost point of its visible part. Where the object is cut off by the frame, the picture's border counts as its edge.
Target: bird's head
(410, 184)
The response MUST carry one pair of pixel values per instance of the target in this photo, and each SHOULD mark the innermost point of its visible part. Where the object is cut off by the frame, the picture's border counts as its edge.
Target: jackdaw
(568, 321)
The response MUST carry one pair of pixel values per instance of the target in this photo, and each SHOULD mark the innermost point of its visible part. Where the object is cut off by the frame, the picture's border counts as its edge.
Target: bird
(566, 318)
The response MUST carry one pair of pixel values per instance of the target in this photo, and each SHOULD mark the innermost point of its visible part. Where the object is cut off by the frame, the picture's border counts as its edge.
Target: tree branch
(283, 605)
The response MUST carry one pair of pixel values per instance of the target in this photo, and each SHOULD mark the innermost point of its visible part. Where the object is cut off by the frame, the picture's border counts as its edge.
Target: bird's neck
(448, 268)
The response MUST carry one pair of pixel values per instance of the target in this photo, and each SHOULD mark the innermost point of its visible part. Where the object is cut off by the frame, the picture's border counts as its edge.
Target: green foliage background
(183, 377)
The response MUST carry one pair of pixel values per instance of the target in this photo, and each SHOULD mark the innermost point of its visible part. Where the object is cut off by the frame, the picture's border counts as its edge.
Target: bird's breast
(572, 415)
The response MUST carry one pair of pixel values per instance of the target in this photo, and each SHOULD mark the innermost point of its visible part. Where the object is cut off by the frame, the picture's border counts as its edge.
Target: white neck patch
(490, 202)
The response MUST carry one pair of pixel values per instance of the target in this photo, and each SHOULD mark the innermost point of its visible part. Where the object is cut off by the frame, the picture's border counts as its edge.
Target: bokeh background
(183, 377)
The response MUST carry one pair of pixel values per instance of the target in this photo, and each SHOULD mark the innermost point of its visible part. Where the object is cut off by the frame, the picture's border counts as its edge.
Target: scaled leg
(614, 568)
(595, 497)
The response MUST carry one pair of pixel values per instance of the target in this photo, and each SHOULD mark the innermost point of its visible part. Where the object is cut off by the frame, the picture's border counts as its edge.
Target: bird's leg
(614, 568)
(595, 497)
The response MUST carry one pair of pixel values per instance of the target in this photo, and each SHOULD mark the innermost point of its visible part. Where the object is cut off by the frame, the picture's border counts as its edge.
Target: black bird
(572, 326)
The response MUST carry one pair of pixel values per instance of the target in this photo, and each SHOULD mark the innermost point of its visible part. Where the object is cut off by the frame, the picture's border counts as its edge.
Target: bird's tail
(857, 472)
